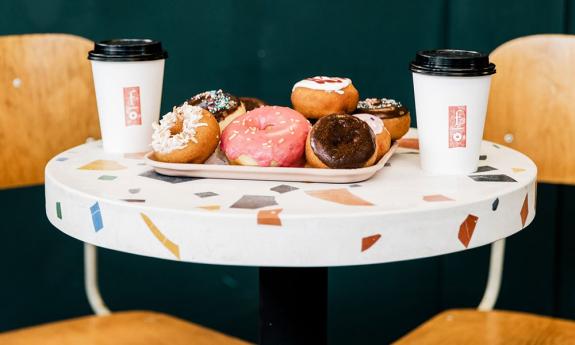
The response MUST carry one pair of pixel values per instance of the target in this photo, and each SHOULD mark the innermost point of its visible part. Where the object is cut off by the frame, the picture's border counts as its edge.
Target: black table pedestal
(293, 306)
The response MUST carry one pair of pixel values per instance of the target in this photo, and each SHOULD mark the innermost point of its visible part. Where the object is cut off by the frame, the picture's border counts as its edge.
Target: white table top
(116, 201)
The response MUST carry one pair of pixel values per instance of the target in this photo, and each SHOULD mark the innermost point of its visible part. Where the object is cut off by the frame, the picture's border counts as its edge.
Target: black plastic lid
(452, 63)
(127, 50)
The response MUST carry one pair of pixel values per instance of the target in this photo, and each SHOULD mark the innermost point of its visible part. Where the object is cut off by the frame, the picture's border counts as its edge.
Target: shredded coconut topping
(162, 139)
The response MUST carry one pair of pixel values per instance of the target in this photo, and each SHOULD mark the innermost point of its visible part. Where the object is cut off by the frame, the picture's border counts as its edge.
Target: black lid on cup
(452, 63)
(127, 50)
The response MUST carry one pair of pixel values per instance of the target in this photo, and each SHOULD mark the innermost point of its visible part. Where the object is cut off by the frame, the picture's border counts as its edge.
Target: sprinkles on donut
(266, 136)
(217, 102)
(224, 106)
(395, 116)
(383, 107)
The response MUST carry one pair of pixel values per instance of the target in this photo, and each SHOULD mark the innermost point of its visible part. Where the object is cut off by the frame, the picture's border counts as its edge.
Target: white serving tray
(239, 172)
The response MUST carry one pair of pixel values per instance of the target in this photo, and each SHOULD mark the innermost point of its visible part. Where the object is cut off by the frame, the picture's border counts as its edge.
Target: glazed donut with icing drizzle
(321, 96)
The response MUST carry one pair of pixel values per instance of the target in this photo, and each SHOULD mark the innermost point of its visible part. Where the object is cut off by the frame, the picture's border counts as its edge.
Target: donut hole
(178, 127)
(344, 142)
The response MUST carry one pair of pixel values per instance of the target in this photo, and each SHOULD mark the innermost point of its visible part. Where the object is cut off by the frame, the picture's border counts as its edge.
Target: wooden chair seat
(468, 326)
(125, 328)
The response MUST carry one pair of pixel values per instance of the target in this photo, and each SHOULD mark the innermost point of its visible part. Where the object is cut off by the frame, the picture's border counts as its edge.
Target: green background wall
(260, 48)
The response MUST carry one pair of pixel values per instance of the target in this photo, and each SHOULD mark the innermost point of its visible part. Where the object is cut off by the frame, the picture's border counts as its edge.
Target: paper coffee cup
(451, 90)
(128, 77)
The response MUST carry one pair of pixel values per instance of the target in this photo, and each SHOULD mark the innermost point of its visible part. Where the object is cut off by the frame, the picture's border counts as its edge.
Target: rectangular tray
(239, 172)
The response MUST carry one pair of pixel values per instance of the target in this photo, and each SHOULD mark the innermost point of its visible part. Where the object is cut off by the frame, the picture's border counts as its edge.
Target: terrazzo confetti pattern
(210, 207)
(339, 196)
(169, 179)
(492, 178)
(171, 246)
(283, 188)
(466, 229)
(59, 210)
(269, 217)
(495, 204)
(96, 217)
(206, 194)
(484, 168)
(436, 198)
(102, 164)
(524, 210)
(254, 201)
(243, 222)
(369, 241)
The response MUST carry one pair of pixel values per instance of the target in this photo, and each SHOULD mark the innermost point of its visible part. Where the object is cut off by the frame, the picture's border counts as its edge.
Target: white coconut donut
(187, 134)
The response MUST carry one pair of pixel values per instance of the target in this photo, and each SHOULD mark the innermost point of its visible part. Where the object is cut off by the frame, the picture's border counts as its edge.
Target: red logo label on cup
(132, 109)
(457, 126)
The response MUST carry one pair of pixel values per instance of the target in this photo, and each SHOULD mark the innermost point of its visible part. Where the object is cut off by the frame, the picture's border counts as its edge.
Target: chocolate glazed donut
(341, 141)
(252, 103)
(395, 116)
(219, 103)
(382, 107)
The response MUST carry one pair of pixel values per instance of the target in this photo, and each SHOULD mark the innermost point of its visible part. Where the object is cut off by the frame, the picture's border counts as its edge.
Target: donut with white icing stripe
(187, 134)
(382, 136)
(320, 96)
(328, 84)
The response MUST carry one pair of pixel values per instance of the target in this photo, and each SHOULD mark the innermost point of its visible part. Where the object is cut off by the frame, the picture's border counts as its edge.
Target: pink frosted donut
(266, 136)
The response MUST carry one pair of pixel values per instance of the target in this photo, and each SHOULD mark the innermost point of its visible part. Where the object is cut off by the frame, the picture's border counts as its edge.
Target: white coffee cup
(451, 90)
(128, 77)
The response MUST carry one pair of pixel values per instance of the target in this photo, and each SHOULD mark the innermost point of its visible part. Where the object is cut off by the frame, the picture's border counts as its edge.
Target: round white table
(293, 231)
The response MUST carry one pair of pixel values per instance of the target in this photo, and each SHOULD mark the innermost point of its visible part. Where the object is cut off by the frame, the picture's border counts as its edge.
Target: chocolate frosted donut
(252, 103)
(341, 141)
(395, 116)
(217, 102)
(384, 108)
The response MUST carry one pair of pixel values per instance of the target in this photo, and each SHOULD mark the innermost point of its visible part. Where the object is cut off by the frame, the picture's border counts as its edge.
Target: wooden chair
(531, 109)
(47, 105)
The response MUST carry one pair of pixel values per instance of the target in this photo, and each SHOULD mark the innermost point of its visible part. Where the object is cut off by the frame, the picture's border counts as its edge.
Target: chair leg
(495, 273)
(91, 281)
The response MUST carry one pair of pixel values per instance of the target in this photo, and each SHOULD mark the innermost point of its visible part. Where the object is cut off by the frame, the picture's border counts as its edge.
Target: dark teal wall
(260, 48)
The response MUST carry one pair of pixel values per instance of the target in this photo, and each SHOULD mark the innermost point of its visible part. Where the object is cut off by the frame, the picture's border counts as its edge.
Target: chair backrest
(47, 103)
(532, 103)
